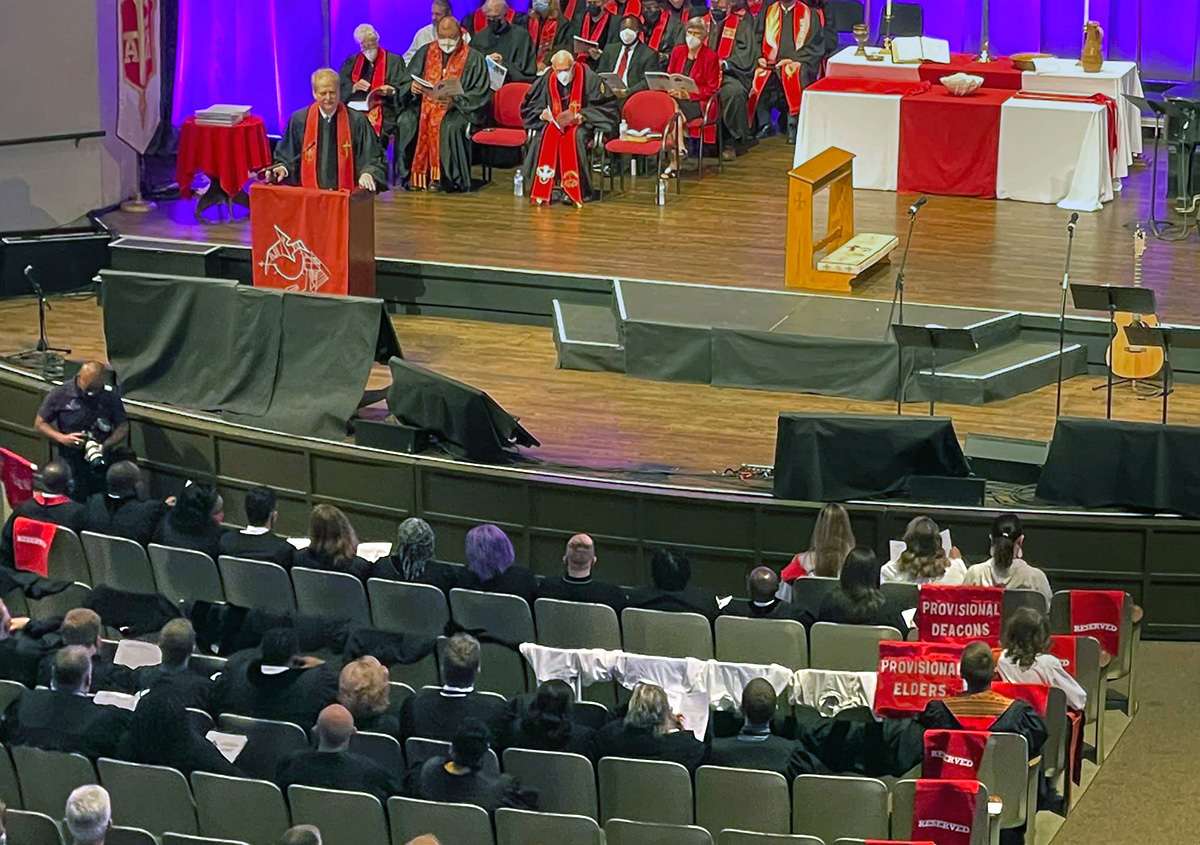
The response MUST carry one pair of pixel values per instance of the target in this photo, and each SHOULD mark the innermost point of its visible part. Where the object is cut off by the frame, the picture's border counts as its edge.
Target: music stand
(933, 338)
(1161, 109)
(1168, 338)
(1110, 299)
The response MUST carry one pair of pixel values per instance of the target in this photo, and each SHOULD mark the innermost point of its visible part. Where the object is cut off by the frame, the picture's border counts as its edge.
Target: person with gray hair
(650, 731)
(506, 44)
(88, 815)
(370, 80)
(301, 834)
(576, 582)
(412, 557)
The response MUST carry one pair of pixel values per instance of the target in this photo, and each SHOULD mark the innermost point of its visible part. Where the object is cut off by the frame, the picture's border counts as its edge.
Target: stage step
(1003, 372)
(587, 337)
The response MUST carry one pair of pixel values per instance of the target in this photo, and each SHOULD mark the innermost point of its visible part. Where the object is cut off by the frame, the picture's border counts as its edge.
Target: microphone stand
(43, 354)
(1062, 314)
(898, 295)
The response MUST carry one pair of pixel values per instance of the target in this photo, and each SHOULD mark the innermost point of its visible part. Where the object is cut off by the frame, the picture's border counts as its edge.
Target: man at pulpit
(327, 145)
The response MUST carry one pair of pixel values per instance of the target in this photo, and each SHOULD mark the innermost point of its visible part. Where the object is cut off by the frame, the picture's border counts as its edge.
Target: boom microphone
(1074, 220)
(916, 206)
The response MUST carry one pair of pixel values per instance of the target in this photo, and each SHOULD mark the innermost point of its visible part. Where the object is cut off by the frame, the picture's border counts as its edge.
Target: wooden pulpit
(847, 256)
(313, 241)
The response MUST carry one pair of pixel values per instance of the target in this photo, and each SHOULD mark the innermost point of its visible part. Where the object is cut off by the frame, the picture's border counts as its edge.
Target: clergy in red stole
(794, 42)
(663, 31)
(733, 35)
(327, 145)
(371, 80)
(477, 21)
(549, 29)
(432, 135)
(599, 24)
(565, 107)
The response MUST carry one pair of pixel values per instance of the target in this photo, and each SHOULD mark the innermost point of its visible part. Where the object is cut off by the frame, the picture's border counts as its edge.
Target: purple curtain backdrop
(261, 52)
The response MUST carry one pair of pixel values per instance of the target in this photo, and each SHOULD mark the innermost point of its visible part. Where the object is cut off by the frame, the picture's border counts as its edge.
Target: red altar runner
(998, 73)
(227, 154)
(949, 144)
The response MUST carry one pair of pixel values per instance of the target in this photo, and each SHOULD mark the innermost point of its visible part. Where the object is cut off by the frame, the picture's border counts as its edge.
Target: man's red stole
(375, 113)
(345, 149)
(633, 7)
(569, 10)
(559, 152)
(479, 20)
(542, 32)
(729, 30)
(754, 7)
(656, 34)
(789, 71)
(427, 161)
(592, 28)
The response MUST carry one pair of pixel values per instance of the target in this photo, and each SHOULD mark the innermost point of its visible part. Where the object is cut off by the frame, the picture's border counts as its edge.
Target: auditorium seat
(901, 595)
(747, 837)
(460, 824)
(848, 648)
(744, 640)
(507, 130)
(576, 624)
(268, 742)
(185, 575)
(10, 789)
(118, 562)
(645, 110)
(629, 832)
(1095, 683)
(130, 784)
(58, 604)
(66, 560)
(239, 808)
(338, 595)
(903, 796)
(344, 818)
(118, 835)
(181, 839)
(384, 749)
(506, 618)
(256, 584)
(566, 783)
(404, 608)
(522, 827)
(1129, 636)
(418, 749)
(10, 691)
(644, 790)
(819, 805)
(25, 827)
(47, 778)
(808, 592)
(666, 634)
(1007, 771)
(1014, 600)
(201, 721)
(742, 799)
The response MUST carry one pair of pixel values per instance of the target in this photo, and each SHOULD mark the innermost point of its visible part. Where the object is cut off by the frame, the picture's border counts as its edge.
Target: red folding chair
(652, 110)
(509, 130)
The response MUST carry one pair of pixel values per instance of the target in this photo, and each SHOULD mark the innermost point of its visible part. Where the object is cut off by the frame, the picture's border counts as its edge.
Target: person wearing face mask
(794, 43)
(629, 58)
(664, 32)
(598, 24)
(697, 61)
(733, 36)
(566, 106)
(506, 43)
(480, 20)
(370, 80)
(432, 135)
(428, 33)
(549, 30)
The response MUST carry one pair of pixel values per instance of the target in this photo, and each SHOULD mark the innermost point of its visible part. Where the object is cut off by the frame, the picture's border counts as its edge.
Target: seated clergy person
(1006, 567)
(175, 674)
(755, 747)
(576, 583)
(64, 718)
(413, 559)
(51, 502)
(370, 82)
(734, 37)
(332, 544)
(549, 30)
(280, 684)
(794, 41)
(437, 713)
(124, 511)
(670, 570)
(82, 627)
(629, 58)
(650, 731)
(194, 521)
(308, 834)
(460, 778)
(506, 43)
(762, 584)
(257, 541)
(598, 25)
(568, 104)
(363, 690)
(1026, 658)
(88, 816)
(663, 30)
(477, 21)
(327, 145)
(546, 722)
(428, 33)
(331, 765)
(432, 135)
(697, 61)
(22, 647)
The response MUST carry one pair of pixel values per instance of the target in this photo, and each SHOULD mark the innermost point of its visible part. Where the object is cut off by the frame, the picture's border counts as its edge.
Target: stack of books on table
(222, 115)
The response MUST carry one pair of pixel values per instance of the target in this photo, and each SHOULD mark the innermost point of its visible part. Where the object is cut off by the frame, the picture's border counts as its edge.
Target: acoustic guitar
(1128, 361)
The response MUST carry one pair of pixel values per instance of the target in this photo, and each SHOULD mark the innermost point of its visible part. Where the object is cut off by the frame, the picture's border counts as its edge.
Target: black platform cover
(1109, 463)
(830, 458)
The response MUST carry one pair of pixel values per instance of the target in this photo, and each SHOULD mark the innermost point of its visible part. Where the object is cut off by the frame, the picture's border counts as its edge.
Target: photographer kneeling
(86, 419)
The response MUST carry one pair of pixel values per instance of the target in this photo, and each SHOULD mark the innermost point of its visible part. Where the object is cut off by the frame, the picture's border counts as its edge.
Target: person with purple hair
(490, 566)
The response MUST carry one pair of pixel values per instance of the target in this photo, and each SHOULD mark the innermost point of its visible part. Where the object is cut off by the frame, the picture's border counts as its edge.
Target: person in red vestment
(794, 42)
(598, 24)
(548, 28)
(663, 31)
(699, 62)
(369, 81)
(478, 20)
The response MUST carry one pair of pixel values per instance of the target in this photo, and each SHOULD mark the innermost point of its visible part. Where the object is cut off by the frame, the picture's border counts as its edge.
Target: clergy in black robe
(733, 35)
(598, 24)
(794, 43)
(477, 21)
(506, 43)
(432, 134)
(549, 29)
(373, 69)
(566, 105)
(327, 145)
(663, 31)
(629, 58)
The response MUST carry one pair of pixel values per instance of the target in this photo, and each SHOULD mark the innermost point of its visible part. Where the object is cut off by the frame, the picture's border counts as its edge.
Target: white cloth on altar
(845, 64)
(867, 125)
(831, 692)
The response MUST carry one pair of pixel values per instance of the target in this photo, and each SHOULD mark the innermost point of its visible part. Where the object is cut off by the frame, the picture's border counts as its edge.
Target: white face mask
(565, 76)
(628, 36)
(693, 41)
(448, 45)
(371, 54)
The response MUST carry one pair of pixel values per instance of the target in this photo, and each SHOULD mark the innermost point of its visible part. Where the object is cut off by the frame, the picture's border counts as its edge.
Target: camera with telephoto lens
(93, 447)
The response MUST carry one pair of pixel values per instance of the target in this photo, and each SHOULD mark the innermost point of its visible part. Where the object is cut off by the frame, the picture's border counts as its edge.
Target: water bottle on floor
(518, 183)
(660, 194)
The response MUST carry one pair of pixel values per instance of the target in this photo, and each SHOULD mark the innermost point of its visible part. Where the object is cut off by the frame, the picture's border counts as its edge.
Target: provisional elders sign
(960, 614)
(913, 674)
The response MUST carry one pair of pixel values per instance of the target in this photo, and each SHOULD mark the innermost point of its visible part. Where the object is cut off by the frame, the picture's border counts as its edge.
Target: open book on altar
(671, 82)
(445, 88)
(917, 48)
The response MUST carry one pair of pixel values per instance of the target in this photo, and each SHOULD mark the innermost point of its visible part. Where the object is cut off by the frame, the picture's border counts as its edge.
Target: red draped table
(949, 144)
(226, 154)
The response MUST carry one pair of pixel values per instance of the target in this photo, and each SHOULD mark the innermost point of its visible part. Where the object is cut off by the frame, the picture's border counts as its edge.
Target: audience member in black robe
(24, 644)
(857, 599)
(598, 24)
(281, 684)
(490, 566)
(547, 722)
(331, 765)
(82, 627)
(755, 747)
(650, 731)
(412, 557)
(194, 522)
(671, 571)
(332, 544)
(257, 541)
(576, 583)
(160, 734)
(363, 690)
(64, 718)
(737, 66)
(124, 511)
(506, 43)
(437, 713)
(763, 584)
(51, 502)
(664, 31)
(175, 674)
(629, 58)
(460, 778)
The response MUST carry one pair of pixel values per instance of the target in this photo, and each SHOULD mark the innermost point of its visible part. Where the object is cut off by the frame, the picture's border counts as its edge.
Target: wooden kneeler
(848, 256)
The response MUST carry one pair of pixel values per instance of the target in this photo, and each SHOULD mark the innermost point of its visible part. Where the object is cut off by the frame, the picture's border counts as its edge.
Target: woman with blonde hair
(363, 690)
(923, 560)
(832, 539)
(332, 544)
(650, 731)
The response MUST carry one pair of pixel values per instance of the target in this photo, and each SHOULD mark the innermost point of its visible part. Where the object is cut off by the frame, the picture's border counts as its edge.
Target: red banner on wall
(951, 614)
(913, 674)
(138, 24)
